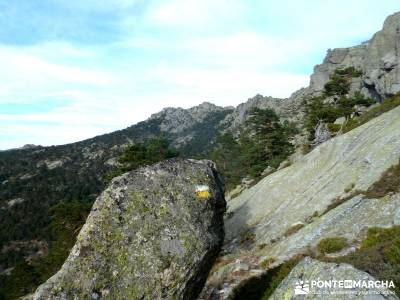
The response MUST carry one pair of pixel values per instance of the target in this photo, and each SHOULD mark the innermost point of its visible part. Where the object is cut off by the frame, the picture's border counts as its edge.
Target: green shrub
(337, 86)
(379, 255)
(349, 71)
(334, 127)
(23, 280)
(393, 254)
(331, 245)
(319, 110)
(351, 124)
(387, 105)
(378, 236)
(143, 154)
(265, 142)
(266, 263)
(360, 99)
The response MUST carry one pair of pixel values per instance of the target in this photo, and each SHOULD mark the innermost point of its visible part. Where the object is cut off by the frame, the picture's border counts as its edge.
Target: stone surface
(152, 234)
(322, 192)
(182, 123)
(340, 121)
(241, 113)
(397, 217)
(308, 187)
(378, 59)
(309, 269)
(349, 220)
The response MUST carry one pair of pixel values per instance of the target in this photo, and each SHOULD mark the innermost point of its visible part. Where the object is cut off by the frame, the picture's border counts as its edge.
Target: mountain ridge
(35, 179)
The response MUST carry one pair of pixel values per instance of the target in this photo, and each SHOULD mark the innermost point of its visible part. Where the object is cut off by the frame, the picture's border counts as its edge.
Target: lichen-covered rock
(307, 281)
(152, 234)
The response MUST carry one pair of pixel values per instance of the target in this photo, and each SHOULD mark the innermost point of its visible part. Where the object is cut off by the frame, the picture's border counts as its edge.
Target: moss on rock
(147, 237)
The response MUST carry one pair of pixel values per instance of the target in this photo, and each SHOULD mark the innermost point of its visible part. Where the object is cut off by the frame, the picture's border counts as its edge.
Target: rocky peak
(392, 24)
(178, 119)
(378, 59)
(238, 117)
(201, 111)
(29, 146)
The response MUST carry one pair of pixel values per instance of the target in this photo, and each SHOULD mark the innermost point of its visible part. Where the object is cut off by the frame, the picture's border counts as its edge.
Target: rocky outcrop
(321, 195)
(152, 234)
(180, 122)
(238, 117)
(378, 59)
(334, 170)
(349, 220)
(307, 281)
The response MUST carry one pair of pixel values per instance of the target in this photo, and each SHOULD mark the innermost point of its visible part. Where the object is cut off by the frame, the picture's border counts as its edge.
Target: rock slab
(152, 234)
(334, 170)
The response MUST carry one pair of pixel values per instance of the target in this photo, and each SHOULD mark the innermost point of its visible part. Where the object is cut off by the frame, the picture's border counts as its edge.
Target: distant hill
(35, 178)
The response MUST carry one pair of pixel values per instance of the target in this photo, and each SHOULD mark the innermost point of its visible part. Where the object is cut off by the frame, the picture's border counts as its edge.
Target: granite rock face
(185, 125)
(378, 59)
(309, 270)
(349, 220)
(321, 195)
(152, 234)
(307, 189)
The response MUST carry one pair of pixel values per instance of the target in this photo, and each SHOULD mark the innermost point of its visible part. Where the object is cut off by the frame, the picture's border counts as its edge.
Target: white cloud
(248, 50)
(108, 98)
(178, 53)
(229, 86)
(189, 13)
(27, 69)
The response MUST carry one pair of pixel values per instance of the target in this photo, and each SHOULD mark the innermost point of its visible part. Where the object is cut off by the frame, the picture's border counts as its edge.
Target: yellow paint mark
(203, 191)
(203, 194)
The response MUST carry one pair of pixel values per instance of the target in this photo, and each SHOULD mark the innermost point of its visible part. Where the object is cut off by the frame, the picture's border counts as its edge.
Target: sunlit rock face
(378, 59)
(310, 191)
(152, 234)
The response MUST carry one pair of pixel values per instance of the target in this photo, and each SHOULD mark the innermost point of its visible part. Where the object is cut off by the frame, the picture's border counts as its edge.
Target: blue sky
(74, 69)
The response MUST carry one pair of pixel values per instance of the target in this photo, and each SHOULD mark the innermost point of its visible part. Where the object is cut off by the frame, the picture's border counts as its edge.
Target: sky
(70, 70)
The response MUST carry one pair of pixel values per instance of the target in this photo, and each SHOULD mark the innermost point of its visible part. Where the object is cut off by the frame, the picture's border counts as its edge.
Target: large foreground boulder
(152, 234)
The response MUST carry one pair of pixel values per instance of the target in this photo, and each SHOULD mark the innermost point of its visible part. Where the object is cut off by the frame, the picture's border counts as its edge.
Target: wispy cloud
(74, 69)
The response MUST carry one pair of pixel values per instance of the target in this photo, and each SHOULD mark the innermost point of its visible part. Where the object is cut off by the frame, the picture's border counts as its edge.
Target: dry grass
(388, 183)
(293, 229)
(338, 201)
